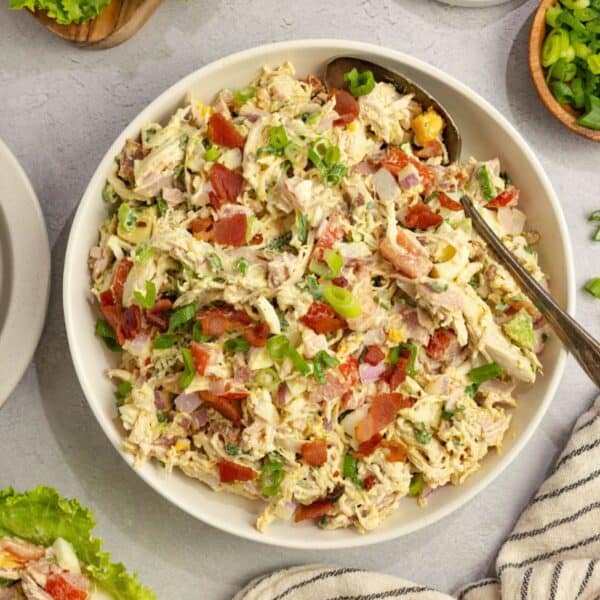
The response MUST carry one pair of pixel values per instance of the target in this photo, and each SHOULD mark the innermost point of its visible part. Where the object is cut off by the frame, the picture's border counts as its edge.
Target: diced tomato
(321, 318)
(231, 231)
(131, 322)
(222, 132)
(229, 408)
(200, 356)
(505, 198)
(256, 335)
(227, 185)
(349, 370)
(202, 229)
(314, 453)
(340, 282)
(420, 216)
(382, 411)
(346, 106)
(439, 342)
(369, 481)
(396, 452)
(332, 232)
(230, 472)
(373, 355)
(313, 511)
(448, 203)
(395, 160)
(367, 448)
(61, 589)
(121, 272)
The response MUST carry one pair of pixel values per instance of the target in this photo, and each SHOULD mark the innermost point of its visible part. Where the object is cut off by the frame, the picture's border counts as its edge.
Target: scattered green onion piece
(520, 330)
(552, 48)
(235, 345)
(302, 224)
(335, 262)
(578, 93)
(592, 118)
(197, 334)
(270, 478)
(164, 341)
(595, 216)
(147, 300)
(593, 26)
(127, 217)
(322, 361)
(212, 154)
(106, 332)
(278, 138)
(342, 301)
(421, 434)
(485, 372)
(299, 363)
(410, 370)
(350, 470)
(267, 378)
(575, 4)
(242, 266)
(417, 485)
(189, 369)
(313, 287)
(335, 174)
(552, 14)
(232, 449)
(182, 316)
(245, 94)
(485, 182)
(568, 18)
(593, 287)
(278, 346)
(360, 84)
(123, 390)
(471, 390)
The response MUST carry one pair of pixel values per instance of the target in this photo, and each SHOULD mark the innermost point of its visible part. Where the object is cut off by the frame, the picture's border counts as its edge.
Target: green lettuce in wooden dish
(64, 12)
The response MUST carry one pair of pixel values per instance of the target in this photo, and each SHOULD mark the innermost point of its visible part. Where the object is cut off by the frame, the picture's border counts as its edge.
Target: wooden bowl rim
(536, 38)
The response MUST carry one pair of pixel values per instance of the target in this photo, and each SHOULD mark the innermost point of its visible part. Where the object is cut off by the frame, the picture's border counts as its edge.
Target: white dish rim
(178, 90)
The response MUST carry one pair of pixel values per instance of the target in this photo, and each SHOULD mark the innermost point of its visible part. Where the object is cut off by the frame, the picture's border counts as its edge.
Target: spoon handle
(578, 342)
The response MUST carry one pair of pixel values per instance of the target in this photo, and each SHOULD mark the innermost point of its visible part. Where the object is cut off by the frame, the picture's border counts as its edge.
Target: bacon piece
(369, 481)
(349, 371)
(222, 132)
(340, 282)
(506, 198)
(373, 355)
(321, 318)
(367, 448)
(396, 452)
(156, 315)
(230, 472)
(121, 272)
(230, 408)
(439, 344)
(448, 203)
(313, 511)
(420, 216)
(202, 229)
(217, 321)
(406, 255)
(256, 335)
(346, 106)
(314, 453)
(382, 411)
(395, 160)
(231, 231)
(331, 233)
(201, 357)
(131, 322)
(227, 185)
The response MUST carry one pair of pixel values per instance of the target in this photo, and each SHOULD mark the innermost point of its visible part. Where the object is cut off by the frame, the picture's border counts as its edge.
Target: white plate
(24, 272)
(485, 134)
(474, 3)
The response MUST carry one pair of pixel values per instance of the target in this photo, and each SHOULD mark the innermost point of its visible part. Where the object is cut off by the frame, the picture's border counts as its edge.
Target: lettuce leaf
(42, 515)
(64, 11)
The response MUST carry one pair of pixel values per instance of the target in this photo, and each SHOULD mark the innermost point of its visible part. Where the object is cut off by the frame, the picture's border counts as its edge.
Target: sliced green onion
(552, 14)
(164, 341)
(562, 92)
(123, 389)
(267, 378)
(235, 345)
(438, 287)
(278, 138)
(552, 48)
(127, 217)
(271, 476)
(350, 470)
(575, 4)
(421, 434)
(485, 182)
(189, 369)
(295, 154)
(232, 449)
(278, 346)
(212, 154)
(197, 334)
(245, 94)
(302, 224)
(106, 332)
(182, 316)
(342, 301)
(489, 371)
(299, 363)
(593, 63)
(360, 84)
(147, 300)
(520, 330)
(322, 361)
(592, 118)
(586, 14)
(242, 266)
(593, 287)
(417, 485)
(595, 216)
(335, 174)
(578, 93)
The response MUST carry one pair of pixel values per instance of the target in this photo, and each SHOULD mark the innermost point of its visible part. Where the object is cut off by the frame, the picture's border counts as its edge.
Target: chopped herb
(123, 390)
(421, 434)
(271, 476)
(234, 345)
(182, 316)
(232, 450)
(350, 470)
(178, 171)
(150, 132)
(436, 286)
(471, 390)
(127, 217)
(529, 249)
(283, 322)
(183, 140)
(474, 282)
(164, 341)
(417, 485)
(242, 266)
(279, 243)
(302, 224)
(312, 285)
(147, 300)
(107, 333)
(162, 205)
(197, 334)
(216, 264)
(162, 418)
(189, 368)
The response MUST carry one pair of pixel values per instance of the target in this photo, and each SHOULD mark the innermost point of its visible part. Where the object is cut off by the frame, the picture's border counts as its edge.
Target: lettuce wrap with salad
(47, 552)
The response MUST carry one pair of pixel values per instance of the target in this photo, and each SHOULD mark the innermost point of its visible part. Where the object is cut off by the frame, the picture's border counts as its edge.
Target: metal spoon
(338, 67)
(576, 340)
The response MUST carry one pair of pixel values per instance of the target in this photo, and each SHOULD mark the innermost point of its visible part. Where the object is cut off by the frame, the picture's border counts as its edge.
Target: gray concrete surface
(61, 107)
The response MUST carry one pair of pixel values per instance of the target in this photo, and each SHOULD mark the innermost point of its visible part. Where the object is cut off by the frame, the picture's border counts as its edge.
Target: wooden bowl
(565, 114)
(116, 24)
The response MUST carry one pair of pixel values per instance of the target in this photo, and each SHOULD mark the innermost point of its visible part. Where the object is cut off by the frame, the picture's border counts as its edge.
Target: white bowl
(486, 134)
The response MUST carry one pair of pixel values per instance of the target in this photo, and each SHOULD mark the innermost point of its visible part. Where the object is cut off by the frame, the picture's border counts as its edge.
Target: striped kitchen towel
(552, 554)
